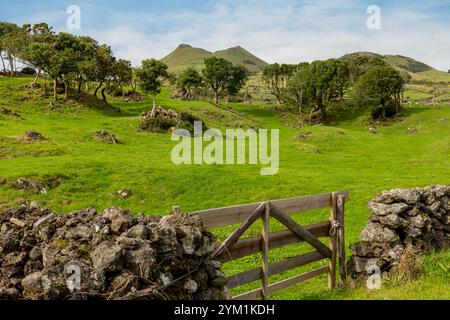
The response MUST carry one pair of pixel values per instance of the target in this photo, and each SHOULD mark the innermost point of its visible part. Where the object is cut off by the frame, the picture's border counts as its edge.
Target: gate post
(341, 239)
(333, 243)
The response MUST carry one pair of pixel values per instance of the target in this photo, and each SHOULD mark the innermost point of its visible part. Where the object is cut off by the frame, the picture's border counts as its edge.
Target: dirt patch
(38, 185)
(32, 136)
(8, 112)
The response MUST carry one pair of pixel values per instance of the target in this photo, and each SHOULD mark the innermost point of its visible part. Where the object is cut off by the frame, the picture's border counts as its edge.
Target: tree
(70, 51)
(379, 86)
(104, 62)
(217, 74)
(297, 93)
(276, 77)
(317, 86)
(122, 73)
(85, 65)
(238, 77)
(8, 44)
(150, 76)
(188, 80)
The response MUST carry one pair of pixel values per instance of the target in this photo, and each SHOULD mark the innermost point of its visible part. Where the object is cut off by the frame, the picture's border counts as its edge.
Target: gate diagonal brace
(301, 232)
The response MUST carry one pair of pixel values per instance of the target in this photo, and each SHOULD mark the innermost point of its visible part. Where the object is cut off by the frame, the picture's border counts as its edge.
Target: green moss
(62, 244)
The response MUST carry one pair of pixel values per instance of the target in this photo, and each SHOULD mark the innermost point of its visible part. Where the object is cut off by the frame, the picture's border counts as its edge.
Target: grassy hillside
(186, 56)
(340, 156)
(400, 62)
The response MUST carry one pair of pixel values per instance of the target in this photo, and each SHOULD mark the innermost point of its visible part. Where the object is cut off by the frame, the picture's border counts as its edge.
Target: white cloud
(277, 30)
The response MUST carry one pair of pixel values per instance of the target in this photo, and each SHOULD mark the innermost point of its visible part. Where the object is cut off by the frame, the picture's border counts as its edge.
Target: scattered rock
(3, 181)
(304, 135)
(38, 185)
(29, 184)
(106, 137)
(125, 193)
(373, 130)
(31, 136)
(413, 130)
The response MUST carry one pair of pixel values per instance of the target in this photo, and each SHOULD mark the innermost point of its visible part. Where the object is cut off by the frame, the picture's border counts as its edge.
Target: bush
(158, 124)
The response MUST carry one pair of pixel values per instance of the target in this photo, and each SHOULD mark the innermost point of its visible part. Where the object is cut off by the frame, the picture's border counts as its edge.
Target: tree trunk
(55, 88)
(11, 65)
(36, 78)
(98, 88)
(216, 97)
(104, 90)
(383, 112)
(3, 62)
(66, 90)
(80, 82)
(86, 86)
(154, 102)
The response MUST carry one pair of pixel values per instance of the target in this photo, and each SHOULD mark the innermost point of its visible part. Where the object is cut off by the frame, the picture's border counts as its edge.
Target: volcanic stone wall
(402, 219)
(85, 255)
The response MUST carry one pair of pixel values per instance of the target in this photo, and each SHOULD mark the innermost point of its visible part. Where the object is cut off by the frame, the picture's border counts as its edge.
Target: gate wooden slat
(236, 214)
(274, 268)
(252, 295)
(249, 246)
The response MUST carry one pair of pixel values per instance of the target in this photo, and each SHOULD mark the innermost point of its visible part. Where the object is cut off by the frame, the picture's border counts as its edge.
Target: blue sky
(275, 30)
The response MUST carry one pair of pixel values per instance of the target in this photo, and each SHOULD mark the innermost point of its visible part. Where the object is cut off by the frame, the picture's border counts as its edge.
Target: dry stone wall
(85, 255)
(402, 219)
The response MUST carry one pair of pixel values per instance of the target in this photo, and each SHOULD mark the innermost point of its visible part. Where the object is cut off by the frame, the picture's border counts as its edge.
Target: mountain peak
(184, 45)
(185, 56)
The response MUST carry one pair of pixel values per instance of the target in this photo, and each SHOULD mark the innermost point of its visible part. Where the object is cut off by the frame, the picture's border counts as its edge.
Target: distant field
(342, 156)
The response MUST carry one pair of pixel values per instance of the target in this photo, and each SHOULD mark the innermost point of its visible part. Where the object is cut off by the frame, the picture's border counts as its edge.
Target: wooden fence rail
(235, 247)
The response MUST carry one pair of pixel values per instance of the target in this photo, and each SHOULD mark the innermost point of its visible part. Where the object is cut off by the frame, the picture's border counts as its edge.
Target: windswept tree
(223, 77)
(217, 75)
(150, 75)
(104, 64)
(380, 86)
(85, 64)
(317, 86)
(237, 80)
(276, 78)
(189, 80)
(8, 45)
(122, 73)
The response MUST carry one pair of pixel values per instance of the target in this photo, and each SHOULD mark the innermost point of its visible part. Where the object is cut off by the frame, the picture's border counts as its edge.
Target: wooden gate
(235, 247)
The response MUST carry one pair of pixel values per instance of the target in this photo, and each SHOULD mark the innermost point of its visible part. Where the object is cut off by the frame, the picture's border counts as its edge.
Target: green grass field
(343, 156)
